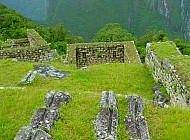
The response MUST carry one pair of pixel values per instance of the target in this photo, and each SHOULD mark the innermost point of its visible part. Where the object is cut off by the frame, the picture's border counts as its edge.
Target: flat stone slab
(24, 133)
(44, 118)
(105, 123)
(29, 77)
(136, 123)
(40, 135)
(44, 71)
(37, 118)
(50, 72)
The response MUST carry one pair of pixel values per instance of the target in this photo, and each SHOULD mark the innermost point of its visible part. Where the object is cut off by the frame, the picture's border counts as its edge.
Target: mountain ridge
(85, 18)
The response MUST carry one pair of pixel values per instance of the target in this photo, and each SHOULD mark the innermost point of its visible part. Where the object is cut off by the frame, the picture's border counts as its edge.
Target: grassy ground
(76, 118)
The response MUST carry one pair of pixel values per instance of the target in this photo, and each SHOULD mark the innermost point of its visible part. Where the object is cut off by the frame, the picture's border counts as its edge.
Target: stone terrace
(171, 68)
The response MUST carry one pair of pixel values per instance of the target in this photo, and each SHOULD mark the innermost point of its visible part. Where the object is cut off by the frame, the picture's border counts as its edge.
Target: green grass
(85, 87)
(164, 50)
(182, 65)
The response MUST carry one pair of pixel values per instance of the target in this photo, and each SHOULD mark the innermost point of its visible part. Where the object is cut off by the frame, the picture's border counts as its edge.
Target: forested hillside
(33, 9)
(86, 17)
(14, 25)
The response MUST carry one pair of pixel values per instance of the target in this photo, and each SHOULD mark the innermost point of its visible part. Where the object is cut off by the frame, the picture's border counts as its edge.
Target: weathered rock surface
(60, 98)
(136, 123)
(37, 118)
(49, 71)
(45, 71)
(105, 123)
(29, 77)
(40, 135)
(44, 118)
(50, 117)
(24, 133)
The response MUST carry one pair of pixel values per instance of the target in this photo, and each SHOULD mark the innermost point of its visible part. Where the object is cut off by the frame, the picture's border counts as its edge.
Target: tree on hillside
(150, 36)
(183, 47)
(112, 32)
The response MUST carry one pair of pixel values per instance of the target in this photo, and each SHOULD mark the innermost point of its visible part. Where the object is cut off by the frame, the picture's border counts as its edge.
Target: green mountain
(33, 9)
(84, 17)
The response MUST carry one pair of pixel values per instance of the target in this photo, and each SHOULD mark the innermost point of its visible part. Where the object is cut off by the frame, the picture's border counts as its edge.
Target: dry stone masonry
(84, 54)
(172, 69)
(44, 118)
(136, 123)
(31, 49)
(105, 123)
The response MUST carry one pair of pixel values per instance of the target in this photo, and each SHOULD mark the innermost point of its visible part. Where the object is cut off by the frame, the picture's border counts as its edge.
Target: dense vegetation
(33, 9)
(86, 17)
(14, 25)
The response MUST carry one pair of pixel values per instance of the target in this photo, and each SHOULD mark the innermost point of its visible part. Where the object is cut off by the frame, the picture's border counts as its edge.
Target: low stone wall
(170, 75)
(84, 54)
(30, 54)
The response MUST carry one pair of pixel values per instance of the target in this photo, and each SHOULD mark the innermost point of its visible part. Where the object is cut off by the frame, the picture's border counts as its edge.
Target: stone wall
(32, 49)
(84, 54)
(35, 39)
(31, 54)
(169, 72)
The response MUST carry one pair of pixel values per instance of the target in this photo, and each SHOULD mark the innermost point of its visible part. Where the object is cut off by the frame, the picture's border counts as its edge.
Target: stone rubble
(50, 72)
(29, 77)
(45, 71)
(44, 118)
(105, 123)
(136, 123)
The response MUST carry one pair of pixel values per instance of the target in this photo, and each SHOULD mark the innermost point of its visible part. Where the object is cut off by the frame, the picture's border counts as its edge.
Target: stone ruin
(44, 118)
(32, 49)
(44, 71)
(135, 121)
(173, 71)
(105, 123)
(85, 54)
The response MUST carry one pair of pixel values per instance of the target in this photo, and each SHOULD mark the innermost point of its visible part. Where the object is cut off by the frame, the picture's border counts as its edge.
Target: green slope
(76, 118)
(86, 17)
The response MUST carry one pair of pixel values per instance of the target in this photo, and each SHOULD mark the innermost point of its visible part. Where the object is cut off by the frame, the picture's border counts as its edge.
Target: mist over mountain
(33, 9)
(84, 17)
